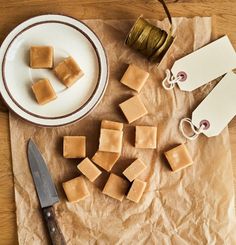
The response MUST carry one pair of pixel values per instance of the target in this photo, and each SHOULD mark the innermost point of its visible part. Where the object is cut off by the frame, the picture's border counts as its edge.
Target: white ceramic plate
(69, 37)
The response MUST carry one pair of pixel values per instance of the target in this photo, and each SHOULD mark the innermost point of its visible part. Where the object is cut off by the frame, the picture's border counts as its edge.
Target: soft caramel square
(136, 191)
(134, 170)
(43, 91)
(134, 77)
(110, 140)
(116, 187)
(76, 189)
(145, 137)
(112, 125)
(68, 71)
(88, 169)
(179, 157)
(106, 160)
(74, 146)
(133, 108)
(41, 57)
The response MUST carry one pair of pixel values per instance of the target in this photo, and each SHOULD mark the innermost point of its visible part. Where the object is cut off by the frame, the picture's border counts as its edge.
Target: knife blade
(46, 191)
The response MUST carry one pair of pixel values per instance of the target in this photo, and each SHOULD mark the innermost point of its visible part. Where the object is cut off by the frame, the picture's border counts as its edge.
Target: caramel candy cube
(179, 157)
(116, 187)
(133, 108)
(68, 71)
(110, 140)
(76, 189)
(41, 57)
(112, 125)
(136, 191)
(74, 146)
(134, 170)
(43, 91)
(135, 77)
(145, 137)
(88, 169)
(106, 160)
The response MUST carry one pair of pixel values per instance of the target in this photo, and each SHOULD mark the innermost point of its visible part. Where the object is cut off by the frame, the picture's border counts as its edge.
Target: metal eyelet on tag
(205, 123)
(182, 76)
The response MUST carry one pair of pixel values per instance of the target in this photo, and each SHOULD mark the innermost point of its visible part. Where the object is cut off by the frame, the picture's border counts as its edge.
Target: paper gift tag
(216, 111)
(203, 65)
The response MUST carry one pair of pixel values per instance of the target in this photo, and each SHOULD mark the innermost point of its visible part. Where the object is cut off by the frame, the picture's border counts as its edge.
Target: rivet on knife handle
(56, 235)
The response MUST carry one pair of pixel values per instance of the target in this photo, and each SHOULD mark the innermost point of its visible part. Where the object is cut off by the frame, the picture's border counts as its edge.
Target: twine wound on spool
(148, 39)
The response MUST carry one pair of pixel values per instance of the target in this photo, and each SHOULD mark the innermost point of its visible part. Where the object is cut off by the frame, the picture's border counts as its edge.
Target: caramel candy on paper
(68, 71)
(134, 170)
(106, 160)
(112, 125)
(88, 169)
(76, 189)
(110, 140)
(135, 77)
(74, 146)
(43, 91)
(133, 108)
(145, 137)
(136, 191)
(179, 157)
(41, 57)
(116, 187)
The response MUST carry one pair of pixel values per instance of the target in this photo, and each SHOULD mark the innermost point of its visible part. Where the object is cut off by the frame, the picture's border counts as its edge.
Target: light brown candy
(136, 191)
(110, 140)
(135, 77)
(68, 71)
(145, 137)
(88, 169)
(179, 157)
(112, 125)
(134, 170)
(133, 108)
(76, 189)
(116, 187)
(41, 57)
(43, 91)
(74, 146)
(106, 160)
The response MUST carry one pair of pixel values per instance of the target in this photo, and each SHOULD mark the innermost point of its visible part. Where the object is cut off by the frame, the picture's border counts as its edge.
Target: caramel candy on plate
(110, 140)
(179, 157)
(134, 77)
(88, 169)
(41, 57)
(116, 187)
(136, 191)
(68, 71)
(145, 137)
(74, 146)
(76, 189)
(106, 160)
(112, 125)
(43, 91)
(133, 108)
(134, 170)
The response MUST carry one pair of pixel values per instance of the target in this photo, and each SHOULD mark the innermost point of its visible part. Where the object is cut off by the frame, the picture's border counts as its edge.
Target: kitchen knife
(46, 192)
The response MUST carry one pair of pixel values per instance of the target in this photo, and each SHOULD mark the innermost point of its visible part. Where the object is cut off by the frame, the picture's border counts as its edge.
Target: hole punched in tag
(169, 81)
(204, 125)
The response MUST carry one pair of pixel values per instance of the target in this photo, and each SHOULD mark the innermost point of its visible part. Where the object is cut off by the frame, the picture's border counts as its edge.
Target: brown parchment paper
(193, 206)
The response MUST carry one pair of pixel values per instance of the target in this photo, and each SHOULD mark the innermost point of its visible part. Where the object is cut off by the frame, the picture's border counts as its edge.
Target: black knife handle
(54, 230)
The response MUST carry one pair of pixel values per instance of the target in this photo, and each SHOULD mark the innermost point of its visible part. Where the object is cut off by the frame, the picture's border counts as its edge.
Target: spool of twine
(150, 40)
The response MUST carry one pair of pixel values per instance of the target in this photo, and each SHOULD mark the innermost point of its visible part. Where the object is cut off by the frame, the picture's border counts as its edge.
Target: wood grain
(15, 11)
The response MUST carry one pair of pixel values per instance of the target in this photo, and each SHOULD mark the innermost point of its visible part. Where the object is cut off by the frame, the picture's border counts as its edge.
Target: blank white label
(205, 64)
(218, 108)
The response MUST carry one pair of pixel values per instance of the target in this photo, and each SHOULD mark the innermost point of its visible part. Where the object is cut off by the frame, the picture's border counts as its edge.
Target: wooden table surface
(14, 12)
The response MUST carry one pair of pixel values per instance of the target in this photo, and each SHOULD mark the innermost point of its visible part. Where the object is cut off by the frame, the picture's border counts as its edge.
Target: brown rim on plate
(99, 75)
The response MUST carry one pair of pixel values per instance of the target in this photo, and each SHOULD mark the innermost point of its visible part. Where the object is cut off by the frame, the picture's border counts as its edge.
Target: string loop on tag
(196, 131)
(169, 81)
